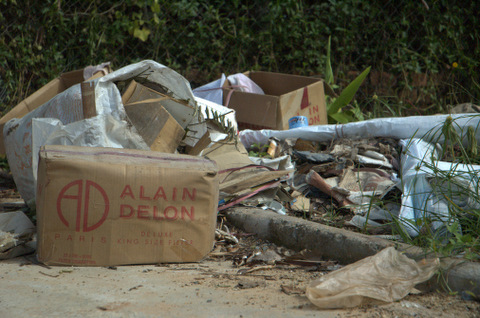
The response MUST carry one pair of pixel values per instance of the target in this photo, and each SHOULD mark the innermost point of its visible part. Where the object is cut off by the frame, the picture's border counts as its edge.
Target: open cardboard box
(44, 94)
(285, 96)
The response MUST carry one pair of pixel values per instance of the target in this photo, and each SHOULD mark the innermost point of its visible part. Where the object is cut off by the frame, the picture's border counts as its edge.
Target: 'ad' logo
(78, 190)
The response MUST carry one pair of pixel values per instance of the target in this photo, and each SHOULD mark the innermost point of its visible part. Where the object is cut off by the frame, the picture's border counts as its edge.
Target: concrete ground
(211, 288)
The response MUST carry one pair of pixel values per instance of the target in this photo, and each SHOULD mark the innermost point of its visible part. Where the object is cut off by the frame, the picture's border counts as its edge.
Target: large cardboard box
(43, 95)
(105, 206)
(285, 96)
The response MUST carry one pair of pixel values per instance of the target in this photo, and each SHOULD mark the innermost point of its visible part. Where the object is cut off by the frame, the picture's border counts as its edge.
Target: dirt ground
(251, 279)
(215, 287)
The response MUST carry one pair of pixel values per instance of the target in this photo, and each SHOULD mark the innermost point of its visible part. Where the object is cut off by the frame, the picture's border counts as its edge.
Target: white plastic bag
(211, 91)
(102, 130)
(421, 168)
(385, 277)
(243, 83)
(67, 107)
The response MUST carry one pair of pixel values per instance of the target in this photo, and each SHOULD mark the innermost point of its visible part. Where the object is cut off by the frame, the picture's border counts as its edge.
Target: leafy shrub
(201, 39)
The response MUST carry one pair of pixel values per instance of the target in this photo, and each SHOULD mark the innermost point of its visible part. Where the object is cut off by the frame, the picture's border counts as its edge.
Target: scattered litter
(16, 235)
(292, 290)
(247, 284)
(353, 171)
(274, 206)
(385, 277)
(223, 235)
(135, 287)
(410, 304)
(254, 269)
(49, 275)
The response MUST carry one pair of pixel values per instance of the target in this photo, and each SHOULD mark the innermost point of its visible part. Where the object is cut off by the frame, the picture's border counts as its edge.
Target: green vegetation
(457, 230)
(422, 59)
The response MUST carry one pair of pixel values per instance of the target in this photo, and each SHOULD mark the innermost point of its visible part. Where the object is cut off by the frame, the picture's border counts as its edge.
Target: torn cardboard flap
(238, 174)
(160, 131)
(180, 110)
(247, 113)
(50, 90)
(102, 206)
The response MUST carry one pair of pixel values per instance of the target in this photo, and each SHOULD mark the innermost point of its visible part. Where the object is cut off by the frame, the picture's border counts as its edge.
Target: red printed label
(305, 103)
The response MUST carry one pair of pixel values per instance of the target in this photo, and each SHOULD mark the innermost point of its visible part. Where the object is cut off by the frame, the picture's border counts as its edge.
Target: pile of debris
(356, 177)
(132, 166)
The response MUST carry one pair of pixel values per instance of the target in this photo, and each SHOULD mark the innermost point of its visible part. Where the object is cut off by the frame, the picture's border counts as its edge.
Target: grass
(444, 193)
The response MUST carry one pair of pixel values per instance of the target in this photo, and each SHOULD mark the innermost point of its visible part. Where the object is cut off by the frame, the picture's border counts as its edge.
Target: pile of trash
(122, 158)
(132, 166)
(366, 169)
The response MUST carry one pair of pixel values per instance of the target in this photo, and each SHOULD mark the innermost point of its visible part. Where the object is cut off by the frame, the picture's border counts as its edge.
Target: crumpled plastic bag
(16, 233)
(211, 91)
(385, 277)
(427, 193)
(243, 83)
(112, 128)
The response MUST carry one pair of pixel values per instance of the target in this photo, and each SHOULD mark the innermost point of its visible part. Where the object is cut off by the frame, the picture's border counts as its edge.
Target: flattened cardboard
(136, 92)
(43, 95)
(238, 174)
(158, 128)
(285, 96)
(105, 206)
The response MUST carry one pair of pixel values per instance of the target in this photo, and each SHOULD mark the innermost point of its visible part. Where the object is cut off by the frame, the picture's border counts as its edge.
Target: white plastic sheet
(16, 232)
(243, 83)
(420, 168)
(212, 91)
(102, 130)
(425, 127)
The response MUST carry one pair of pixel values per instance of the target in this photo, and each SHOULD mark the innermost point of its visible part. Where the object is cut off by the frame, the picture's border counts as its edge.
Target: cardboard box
(160, 131)
(285, 96)
(43, 95)
(179, 109)
(105, 206)
(145, 108)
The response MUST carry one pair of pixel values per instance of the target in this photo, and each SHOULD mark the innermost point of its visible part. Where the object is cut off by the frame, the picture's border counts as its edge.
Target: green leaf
(155, 7)
(328, 65)
(348, 93)
(357, 113)
(341, 118)
(141, 34)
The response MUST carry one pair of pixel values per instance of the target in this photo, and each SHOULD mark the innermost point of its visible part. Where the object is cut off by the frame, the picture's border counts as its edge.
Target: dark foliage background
(424, 55)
